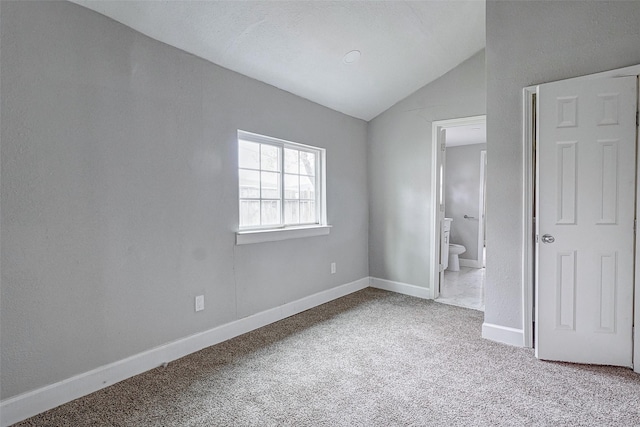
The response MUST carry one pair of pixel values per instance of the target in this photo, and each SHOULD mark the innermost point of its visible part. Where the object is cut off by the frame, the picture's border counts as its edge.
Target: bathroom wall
(462, 195)
(531, 42)
(399, 162)
(119, 195)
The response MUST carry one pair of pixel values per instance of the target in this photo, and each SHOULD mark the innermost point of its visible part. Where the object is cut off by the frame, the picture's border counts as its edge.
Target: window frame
(281, 231)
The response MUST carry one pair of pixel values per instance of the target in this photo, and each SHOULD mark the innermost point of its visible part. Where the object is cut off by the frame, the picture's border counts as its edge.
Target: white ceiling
(466, 135)
(299, 46)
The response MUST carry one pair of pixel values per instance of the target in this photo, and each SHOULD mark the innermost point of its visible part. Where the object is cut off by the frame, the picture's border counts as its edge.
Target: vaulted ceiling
(304, 47)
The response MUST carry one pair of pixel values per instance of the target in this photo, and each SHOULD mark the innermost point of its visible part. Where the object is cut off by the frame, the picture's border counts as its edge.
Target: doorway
(463, 137)
(567, 215)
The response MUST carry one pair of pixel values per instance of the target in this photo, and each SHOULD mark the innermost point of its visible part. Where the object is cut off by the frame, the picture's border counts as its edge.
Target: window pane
(307, 163)
(270, 158)
(270, 212)
(248, 155)
(307, 187)
(291, 161)
(278, 182)
(292, 212)
(249, 213)
(307, 212)
(270, 185)
(291, 187)
(249, 184)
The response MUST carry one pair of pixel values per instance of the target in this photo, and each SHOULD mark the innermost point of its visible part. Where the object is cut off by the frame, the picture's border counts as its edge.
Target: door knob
(548, 238)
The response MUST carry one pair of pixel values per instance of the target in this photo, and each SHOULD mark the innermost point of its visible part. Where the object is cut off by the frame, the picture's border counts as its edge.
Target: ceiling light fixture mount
(351, 57)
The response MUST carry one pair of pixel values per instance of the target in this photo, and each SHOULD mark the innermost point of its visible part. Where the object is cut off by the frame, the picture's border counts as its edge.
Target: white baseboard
(34, 402)
(503, 334)
(473, 263)
(401, 288)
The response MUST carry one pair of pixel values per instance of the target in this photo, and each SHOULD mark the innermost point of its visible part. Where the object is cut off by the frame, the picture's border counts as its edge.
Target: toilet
(454, 261)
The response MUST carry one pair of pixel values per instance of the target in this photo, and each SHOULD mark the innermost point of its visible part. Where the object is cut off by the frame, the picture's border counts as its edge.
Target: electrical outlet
(333, 268)
(200, 303)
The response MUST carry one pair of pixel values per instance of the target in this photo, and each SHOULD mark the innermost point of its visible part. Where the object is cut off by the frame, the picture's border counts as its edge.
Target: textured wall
(462, 195)
(119, 195)
(399, 161)
(531, 42)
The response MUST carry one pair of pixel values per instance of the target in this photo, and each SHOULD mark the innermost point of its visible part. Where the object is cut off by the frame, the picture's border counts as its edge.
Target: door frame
(529, 132)
(437, 126)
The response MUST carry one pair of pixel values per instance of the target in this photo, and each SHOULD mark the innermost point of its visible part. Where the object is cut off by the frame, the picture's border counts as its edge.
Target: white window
(280, 183)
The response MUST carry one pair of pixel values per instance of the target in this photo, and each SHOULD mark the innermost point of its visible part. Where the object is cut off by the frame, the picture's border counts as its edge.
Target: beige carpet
(373, 358)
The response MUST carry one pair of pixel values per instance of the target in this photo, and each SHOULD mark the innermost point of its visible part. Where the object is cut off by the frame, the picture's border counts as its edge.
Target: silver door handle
(469, 217)
(548, 238)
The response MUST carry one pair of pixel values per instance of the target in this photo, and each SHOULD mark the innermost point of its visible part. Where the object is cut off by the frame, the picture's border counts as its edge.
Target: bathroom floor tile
(464, 288)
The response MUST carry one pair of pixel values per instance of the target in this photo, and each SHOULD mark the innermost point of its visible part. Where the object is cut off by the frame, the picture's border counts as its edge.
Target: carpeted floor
(373, 358)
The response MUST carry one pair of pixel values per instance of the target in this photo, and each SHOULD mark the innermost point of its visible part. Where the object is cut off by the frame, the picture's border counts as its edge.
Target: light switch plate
(200, 303)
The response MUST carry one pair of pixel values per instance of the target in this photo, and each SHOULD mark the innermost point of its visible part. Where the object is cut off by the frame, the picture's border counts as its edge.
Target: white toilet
(452, 263)
(454, 260)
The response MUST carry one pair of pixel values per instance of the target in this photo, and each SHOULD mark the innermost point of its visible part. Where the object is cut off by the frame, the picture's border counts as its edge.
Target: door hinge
(441, 267)
(443, 146)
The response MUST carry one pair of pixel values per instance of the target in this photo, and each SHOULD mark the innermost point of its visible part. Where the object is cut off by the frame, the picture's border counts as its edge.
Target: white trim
(274, 235)
(636, 315)
(528, 231)
(272, 140)
(471, 263)
(436, 219)
(401, 288)
(436, 128)
(323, 189)
(34, 402)
(503, 334)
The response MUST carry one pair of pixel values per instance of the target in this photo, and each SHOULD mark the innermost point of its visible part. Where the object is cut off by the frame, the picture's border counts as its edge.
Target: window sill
(260, 236)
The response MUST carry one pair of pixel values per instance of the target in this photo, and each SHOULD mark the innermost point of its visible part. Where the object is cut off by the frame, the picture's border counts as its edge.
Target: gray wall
(528, 43)
(399, 161)
(119, 195)
(462, 195)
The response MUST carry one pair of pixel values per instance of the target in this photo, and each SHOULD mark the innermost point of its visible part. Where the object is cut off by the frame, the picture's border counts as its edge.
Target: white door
(585, 227)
